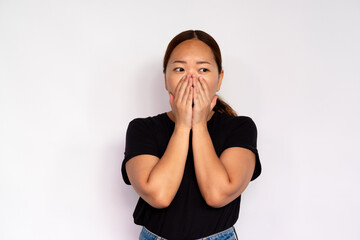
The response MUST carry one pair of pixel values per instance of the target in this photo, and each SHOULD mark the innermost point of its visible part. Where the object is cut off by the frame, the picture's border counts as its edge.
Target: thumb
(213, 102)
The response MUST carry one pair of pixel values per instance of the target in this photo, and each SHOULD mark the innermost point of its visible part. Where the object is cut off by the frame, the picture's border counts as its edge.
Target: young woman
(191, 164)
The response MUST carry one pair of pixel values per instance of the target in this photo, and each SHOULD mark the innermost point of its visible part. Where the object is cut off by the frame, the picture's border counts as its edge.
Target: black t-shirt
(188, 216)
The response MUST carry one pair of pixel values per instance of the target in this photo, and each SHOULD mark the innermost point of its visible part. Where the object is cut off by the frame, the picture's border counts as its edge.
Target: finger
(200, 93)
(204, 87)
(187, 90)
(190, 96)
(196, 96)
(182, 89)
(178, 87)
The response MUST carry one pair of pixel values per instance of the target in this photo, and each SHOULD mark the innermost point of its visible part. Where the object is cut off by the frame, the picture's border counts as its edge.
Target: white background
(73, 74)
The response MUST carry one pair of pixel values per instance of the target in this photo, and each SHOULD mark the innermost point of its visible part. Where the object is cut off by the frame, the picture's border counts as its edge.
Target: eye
(204, 70)
(178, 69)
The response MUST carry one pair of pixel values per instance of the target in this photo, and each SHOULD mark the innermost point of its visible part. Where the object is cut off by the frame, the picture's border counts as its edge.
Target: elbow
(220, 198)
(214, 203)
(215, 200)
(155, 196)
(160, 201)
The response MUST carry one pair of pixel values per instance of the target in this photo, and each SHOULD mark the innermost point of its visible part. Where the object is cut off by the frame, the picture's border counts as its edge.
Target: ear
(221, 75)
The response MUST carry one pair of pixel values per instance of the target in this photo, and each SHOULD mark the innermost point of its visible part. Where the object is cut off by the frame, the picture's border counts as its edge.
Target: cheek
(172, 81)
(212, 84)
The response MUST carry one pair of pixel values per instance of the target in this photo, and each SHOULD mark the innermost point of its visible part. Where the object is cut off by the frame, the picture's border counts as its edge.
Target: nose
(192, 72)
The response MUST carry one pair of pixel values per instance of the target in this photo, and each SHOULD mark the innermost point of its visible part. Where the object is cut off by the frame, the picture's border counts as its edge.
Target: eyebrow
(199, 62)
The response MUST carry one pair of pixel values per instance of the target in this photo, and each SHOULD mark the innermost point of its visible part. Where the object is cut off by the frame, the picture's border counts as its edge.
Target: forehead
(193, 48)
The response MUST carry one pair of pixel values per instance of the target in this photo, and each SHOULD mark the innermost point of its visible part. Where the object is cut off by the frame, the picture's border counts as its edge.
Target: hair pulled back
(221, 105)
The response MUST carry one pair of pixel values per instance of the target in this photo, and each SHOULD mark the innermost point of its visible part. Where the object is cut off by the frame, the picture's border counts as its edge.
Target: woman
(191, 164)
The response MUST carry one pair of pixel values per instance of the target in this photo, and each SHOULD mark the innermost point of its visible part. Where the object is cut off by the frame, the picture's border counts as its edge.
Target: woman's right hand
(181, 103)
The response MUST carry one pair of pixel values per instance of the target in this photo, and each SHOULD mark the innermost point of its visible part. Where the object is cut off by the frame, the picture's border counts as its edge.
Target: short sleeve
(140, 139)
(243, 133)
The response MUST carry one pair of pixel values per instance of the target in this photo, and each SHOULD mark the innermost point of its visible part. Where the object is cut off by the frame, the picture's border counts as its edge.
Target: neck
(172, 116)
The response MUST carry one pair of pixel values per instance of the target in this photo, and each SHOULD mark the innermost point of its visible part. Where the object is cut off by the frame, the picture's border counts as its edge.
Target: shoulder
(231, 122)
(149, 122)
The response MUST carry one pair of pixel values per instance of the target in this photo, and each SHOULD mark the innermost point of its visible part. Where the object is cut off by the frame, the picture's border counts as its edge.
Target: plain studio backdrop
(73, 74)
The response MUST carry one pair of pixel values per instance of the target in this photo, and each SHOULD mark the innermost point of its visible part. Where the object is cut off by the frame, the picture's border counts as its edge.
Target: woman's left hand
(203, 102)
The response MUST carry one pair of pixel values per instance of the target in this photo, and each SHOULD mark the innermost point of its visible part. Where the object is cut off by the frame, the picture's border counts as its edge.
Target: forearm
(211, 174)
(165, 177)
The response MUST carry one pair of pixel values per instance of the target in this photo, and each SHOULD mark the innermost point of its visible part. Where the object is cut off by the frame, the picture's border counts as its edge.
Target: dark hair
(221, 105)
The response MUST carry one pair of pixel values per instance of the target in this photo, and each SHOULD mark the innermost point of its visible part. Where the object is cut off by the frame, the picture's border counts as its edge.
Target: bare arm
(223, 179)
(157, 180)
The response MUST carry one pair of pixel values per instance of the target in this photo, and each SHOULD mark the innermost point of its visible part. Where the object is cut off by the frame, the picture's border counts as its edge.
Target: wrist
(200, 127)
(181, 128)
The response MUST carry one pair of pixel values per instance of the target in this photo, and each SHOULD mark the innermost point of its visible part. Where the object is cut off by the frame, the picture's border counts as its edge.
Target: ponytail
(222, 107)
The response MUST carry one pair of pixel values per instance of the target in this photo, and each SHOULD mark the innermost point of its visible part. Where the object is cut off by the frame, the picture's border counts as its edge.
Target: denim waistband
(228, 234)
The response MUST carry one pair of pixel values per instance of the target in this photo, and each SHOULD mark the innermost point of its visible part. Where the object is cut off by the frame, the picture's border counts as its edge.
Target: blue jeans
(228, 234)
